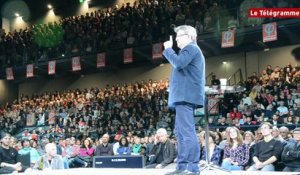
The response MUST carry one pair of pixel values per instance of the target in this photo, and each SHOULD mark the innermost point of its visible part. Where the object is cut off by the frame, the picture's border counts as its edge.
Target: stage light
(49, 6)
(17, 14)
(224, 62)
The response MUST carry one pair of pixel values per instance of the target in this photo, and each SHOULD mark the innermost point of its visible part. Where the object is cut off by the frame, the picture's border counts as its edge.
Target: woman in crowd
(214, 151)
(236, 153)
(124, 148)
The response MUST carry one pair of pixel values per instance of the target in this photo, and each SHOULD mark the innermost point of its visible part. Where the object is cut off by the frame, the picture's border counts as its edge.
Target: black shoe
(176, 172)
(188, 173)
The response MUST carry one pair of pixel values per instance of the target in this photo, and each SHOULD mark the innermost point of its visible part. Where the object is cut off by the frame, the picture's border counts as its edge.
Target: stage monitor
(118, 161)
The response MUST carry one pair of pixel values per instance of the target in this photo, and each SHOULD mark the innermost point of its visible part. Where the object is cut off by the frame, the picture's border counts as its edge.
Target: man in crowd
(104, 149)
(267, 151)
(51, 160)
(291, 153)
(8, 157)
(164, 151)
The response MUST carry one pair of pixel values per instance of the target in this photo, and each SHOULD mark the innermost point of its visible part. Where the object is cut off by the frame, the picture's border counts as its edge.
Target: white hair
(49, 146)
(189, 30)
(161, 131)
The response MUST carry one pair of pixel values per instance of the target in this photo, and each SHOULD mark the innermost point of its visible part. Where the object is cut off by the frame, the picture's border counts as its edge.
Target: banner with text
(29, 70)
(76, 64)
(51, 67)
(9, 73)
(228, 38)
(128, 57)
(101, 60)
(269, 32)
(30, 119)
(157, 51)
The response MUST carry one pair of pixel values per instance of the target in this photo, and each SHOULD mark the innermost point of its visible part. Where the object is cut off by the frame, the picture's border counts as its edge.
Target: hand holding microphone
(169, 43)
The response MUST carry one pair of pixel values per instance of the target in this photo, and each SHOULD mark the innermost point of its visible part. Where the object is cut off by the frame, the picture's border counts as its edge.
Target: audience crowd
(142, 22)
(256, 129)
(133, 119)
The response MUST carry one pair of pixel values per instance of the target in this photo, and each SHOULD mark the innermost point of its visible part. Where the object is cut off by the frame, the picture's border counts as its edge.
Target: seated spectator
(236, 153)
(284, 132)
(291, 154)
(8, 157)
(276, 134)
(104, 149)
(136, 146)
(124, 148)
(235, 114)
(27, 149)
(51, 160)
(267, 151)
(215, 152)
(164, 151)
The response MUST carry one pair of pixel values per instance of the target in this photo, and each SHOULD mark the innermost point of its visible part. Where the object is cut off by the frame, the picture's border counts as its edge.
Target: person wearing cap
(291, 153)
(164, 151)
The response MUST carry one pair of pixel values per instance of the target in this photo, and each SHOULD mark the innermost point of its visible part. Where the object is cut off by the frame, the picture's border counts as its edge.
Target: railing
(237, 74)
(208, 77)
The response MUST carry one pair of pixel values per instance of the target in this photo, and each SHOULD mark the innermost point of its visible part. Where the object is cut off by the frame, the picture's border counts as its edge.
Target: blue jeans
(188, 147)
(228, 166)
(269, 167)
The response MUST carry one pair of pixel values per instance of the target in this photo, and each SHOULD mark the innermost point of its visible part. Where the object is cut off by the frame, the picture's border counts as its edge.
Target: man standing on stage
(186, 93)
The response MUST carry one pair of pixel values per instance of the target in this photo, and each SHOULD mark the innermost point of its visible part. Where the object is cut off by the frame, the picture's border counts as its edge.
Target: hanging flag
(269, 32)
(101, 60)
(128, 55)
(76, 64)
(157, 51)
(228, 38)
(51, 67)
(30, 119)
(29, 70)
(9, 73)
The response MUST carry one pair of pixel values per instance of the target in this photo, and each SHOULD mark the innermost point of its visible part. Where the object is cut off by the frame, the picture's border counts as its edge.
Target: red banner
(101, 60)
(9, 73)
(269, 32)
(128, 57)
(157, 51)
(51, 67)
(213, 107)
(274, 13)
(228, 39)
(76, 64)
(29, 70)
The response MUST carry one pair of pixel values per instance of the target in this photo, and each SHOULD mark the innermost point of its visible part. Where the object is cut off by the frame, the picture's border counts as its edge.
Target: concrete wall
(249, 62)
(95, 80)
(8, 91)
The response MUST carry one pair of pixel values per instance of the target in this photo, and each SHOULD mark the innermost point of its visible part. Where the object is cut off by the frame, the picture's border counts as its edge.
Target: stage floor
(124, 171)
